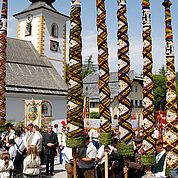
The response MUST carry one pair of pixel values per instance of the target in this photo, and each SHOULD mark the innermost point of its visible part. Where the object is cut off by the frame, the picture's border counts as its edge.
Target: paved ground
(59, 171)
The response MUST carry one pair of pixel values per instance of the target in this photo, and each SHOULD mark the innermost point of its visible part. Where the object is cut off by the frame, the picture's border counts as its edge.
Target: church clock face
(29, 18)
(54, 45)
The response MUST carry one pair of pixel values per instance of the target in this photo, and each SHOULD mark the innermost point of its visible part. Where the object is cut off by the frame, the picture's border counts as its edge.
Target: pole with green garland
(75, 124)
(125, 147)
(104, 90)
(3, 47)
(171, 98)
(148, 156)
(103, 82)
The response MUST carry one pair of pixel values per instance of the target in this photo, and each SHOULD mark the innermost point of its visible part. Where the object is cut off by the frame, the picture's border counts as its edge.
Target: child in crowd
(6, 165)
(31, 164)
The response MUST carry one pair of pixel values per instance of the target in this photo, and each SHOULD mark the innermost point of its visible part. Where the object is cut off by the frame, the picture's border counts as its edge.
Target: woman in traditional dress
(6, 165)
(31, 164)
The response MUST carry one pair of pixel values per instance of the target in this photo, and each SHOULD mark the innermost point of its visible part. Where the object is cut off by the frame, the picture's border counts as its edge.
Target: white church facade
(36, 62)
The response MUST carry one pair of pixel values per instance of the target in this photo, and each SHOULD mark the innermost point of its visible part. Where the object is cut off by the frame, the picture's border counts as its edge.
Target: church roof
(90, 84)
(38, 5)
(27, 70)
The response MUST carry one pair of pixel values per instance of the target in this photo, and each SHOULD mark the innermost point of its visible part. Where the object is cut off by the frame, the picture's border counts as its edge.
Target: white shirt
(100, 154)
(5, 173)
(158, 157)
(67, 154)
(12, 152)
(27, 139)
(87, 152)
(19, 144)
(11, 134)
(30, 166)
(37, 136)
(37, 140)
(62, 138)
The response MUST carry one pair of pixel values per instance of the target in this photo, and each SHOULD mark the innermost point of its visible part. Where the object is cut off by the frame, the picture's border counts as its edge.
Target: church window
(28, 29)
(54, 30)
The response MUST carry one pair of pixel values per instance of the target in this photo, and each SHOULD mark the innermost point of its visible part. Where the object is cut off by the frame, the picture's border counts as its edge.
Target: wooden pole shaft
(106, 164)
(75, 164)
(125, 166)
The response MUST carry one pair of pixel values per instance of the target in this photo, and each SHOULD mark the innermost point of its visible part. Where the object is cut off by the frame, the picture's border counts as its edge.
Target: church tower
(45, 27)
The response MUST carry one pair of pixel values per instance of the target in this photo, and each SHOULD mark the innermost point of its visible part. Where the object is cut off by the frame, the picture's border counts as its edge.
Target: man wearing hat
(135, 168)
(62, 139)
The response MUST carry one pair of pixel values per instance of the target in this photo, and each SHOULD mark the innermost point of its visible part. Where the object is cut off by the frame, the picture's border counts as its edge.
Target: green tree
(88, 66)
(159, 90)
(95, 115)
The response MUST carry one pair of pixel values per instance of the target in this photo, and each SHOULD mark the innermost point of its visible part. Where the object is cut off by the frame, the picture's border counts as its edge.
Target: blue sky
(134, 16)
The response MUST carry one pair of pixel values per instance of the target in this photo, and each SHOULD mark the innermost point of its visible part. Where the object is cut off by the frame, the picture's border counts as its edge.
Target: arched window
(46, 109)
(54, 30)
(28, 29)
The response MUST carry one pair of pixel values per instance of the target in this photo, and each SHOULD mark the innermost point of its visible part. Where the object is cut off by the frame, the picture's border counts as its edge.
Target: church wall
(15, 107)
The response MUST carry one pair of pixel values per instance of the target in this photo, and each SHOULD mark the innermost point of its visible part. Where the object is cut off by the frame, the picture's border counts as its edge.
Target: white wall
(15, 106)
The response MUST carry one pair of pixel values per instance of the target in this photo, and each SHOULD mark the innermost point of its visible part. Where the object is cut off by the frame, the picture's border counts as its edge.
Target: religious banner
(33, 112)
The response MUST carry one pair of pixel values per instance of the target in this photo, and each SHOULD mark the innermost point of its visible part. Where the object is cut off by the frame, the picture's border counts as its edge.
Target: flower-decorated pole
(104, 90)
(171, 98)
(3, 46)
(75, 124)
(125, 147)
(148, 156)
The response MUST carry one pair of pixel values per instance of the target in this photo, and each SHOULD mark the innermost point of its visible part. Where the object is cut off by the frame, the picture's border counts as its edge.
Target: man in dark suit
(50, 142)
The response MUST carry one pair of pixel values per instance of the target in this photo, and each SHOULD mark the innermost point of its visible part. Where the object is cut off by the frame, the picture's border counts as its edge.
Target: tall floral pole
(148, 157)
(125, 147)
(103, 83)
(104, 90)
(3, 46)
(75, 122)
(171, 98)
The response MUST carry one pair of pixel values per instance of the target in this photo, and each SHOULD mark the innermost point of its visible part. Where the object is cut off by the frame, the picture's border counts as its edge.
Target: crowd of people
(91, 158)
(23, 151)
